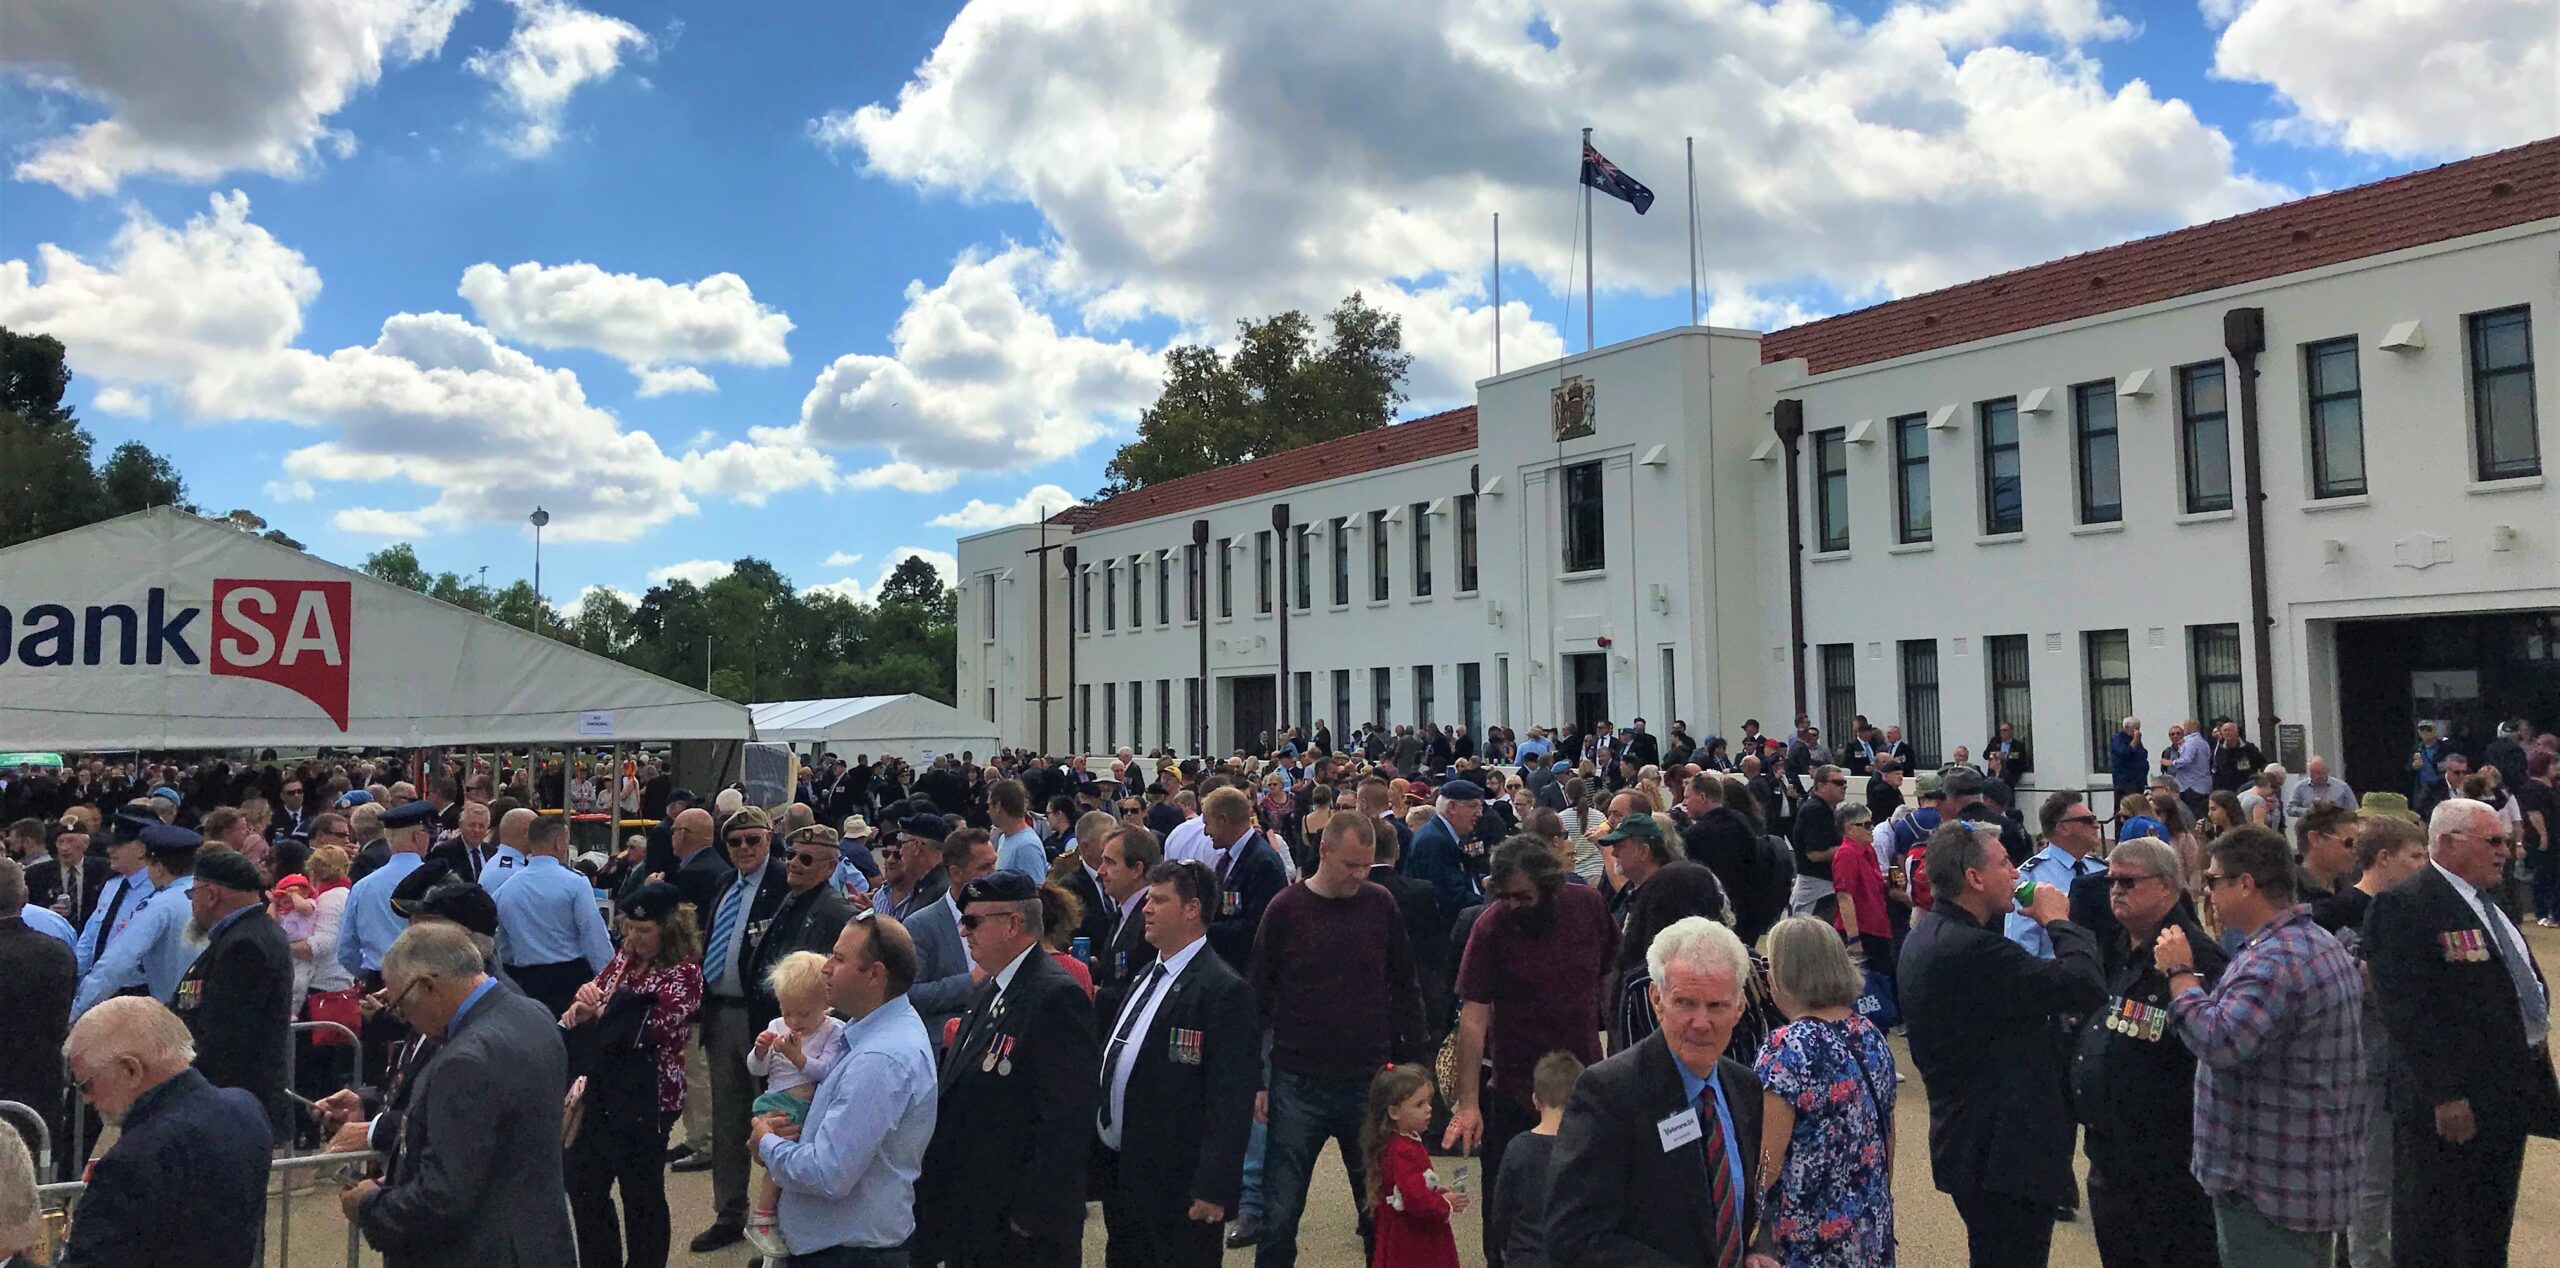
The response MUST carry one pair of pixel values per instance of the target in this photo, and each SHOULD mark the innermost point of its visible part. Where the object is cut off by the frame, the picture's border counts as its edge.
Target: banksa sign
(294, 634)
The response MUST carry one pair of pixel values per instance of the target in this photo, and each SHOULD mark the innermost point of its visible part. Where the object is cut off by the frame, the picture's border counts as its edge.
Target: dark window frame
(2323, 401)
(1419, 539)
(1910, 464)
(1379, 550)
(1303, 555)
(1831, 491)
(1586, 532)
(1986, 414)
(2219, 692)
(1923, 720)
(1470, 575)
(1839, 662)
(2110, 699)
(2482, 380)
(1195, 582)
(1164, 588)
(2194, 491)
(1226, 578)
(1341, 531)
(1110, 595)
(1263, 596)
(1999, 651)
(2088, 400)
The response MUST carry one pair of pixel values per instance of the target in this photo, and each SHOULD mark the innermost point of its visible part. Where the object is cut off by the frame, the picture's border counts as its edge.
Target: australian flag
(1603, 175)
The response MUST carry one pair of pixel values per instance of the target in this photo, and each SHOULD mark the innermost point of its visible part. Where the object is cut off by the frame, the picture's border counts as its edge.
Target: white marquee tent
(914, 727)
(161, 630)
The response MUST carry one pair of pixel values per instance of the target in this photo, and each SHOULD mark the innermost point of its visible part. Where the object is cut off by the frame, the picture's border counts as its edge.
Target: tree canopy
(1278, 390)
(750, 635)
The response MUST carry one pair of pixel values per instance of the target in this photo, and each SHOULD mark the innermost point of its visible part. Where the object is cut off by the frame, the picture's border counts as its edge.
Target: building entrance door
(1586, 675)
(1256, 706)
(2463, 673)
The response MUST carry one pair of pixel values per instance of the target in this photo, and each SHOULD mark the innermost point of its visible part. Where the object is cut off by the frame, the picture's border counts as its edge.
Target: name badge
(1679, 1129)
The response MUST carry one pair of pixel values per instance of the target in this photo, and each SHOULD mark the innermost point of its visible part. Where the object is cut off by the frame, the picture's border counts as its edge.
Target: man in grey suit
(474, 1177)
(943, 984)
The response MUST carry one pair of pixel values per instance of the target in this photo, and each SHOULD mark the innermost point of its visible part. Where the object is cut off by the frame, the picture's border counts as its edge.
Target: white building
(2025, 498)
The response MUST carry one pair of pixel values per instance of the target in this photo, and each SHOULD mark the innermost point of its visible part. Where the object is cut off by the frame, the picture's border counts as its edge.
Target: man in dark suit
(812, 912)
(1444, 851)
(237, 998)
(1083, 877)
(35, 1009)
(46, 886)
(1004, 1180)
(474, 1176)
(1178, 1081)
(1427, 926)
(2469, 1016)
(1984, 1016)
(741, 916)
(186, 1184)
(1659, 1144)
(468, 847)
(1249, 873)
(1128, 854)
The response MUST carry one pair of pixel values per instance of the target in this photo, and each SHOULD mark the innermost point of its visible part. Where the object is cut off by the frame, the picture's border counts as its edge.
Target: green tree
(398, 564)
(136, 479)
(1278, 390)
(913, 581)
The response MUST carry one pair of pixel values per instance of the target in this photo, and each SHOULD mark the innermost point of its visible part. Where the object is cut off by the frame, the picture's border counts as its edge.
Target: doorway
(2463, 673)
(1586, 675)
(1255, 704)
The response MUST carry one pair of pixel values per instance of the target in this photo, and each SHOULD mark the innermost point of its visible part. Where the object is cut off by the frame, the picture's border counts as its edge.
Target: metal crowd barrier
(60, 1203)
(24, 1112)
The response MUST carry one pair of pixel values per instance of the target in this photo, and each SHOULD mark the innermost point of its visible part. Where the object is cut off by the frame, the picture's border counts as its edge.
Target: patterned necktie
(1728, 1247)
(1120, 1038)
(723, 923)
(2529, 997)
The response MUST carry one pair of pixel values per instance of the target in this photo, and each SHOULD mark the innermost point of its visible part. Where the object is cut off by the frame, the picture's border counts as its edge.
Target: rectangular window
(2010, 700)
(2204, 438)
(2213, 653)
(991, 704)
(1424, 695)
(1198, 718)
(1110, 597)
(1502, 688)
(1110, 719)
(1382, 704)
(2502, 419)
(1303, 562)
(1831, 490)
(1342, 703)
(1164, 713)
(2004, 508)
(1262, 572)
(2337, 418)
(1137, 714)
(1085, 600)
(1467, 543)
(1585, 538)
(1377, 556)
(1226, 578)
(1421, 512)
(1306, 699)
(1670, 682)
(1084, 708)
(1192, 582)
(1920, 700)
(2109, 654)
(2096, 462)
(1471, 698)
(1839, 690)
(1911, 478)
(987, 612)
(1341, 534)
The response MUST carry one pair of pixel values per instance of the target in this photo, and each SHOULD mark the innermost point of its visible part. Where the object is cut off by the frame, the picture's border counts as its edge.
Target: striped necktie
(1728, 1248)
(715, 964)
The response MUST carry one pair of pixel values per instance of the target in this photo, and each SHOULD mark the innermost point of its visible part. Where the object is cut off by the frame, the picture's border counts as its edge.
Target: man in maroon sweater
(1333, 975)
(1536, 969)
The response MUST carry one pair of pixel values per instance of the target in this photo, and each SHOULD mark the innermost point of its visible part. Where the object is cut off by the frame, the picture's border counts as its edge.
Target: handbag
(338, 1006)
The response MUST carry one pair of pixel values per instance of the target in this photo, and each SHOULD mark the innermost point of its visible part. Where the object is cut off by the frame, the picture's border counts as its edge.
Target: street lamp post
(540, 518)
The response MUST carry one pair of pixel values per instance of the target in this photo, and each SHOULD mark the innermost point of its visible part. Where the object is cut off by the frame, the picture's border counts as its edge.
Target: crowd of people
(941, 1015)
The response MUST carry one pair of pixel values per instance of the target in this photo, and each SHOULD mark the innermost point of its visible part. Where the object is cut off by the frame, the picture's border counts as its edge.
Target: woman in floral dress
(1826, 1163)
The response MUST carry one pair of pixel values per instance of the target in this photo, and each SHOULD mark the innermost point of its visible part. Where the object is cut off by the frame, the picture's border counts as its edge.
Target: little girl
(1406, 1203)
(296, 912)
(792, 1055)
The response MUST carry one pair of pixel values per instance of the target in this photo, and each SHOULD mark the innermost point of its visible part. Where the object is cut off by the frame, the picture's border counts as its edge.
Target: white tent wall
(161, 630)
(917, 728)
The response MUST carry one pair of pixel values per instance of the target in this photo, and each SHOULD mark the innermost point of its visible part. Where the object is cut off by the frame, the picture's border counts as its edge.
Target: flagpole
(1590, 329)
(1497, 293)
(1693, 230)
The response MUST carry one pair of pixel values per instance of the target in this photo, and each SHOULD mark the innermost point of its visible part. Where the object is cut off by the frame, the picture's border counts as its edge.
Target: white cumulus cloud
(1041, 502)
(2405, 78)
(557, 49)
(570, 610)
(841, 559)
(195, 89)
(701, 572)
(289, 491)
(905, 476)
(661, 329)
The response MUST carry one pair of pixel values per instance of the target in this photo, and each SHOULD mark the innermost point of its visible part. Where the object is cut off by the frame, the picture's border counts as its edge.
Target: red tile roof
(2475, 195)
(1392, 446)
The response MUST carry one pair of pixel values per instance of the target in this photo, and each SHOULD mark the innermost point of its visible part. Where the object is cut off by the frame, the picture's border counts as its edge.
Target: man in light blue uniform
(121, 898)
(370, 926)
(2070, 852)
(514, 832)
(45, 921)
(551, 938)
(158, 945)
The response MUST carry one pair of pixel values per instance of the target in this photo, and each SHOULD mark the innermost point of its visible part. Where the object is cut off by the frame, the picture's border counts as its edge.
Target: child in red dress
(1410, 1209)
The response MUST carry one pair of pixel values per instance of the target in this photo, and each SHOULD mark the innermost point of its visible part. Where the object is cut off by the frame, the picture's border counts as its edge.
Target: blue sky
(982, 223)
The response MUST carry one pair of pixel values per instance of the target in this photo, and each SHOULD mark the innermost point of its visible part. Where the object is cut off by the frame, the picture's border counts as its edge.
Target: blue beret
(166, 791)
(1462, 790)
(129, 825)
(416, 814)
(169, 838)
(355, 797)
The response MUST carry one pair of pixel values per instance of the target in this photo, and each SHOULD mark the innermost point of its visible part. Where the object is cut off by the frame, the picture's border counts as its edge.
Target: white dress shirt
(1135, 1027)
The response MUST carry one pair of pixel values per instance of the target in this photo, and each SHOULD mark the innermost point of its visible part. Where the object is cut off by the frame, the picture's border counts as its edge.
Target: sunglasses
(757, 839)
(2214, 880)
(812, 860)
(2126, 882)
(972, 920)
(2079, 818)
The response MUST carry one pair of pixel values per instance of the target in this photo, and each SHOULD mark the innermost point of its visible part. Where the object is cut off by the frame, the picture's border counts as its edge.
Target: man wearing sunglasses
(2070, 852)
(2133, 1082)
(741, 917)
(812, 913)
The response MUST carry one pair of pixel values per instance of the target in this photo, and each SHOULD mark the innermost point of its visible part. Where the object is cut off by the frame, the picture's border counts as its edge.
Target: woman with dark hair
(2222, 813)
(1580, 822)
(626, 1034)
(1061, 912)
(1674, 893)
(1715, 756)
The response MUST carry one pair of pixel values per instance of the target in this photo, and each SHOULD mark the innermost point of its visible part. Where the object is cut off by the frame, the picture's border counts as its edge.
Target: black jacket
(1254, 876)
(44, 884)
(1097, 908)
(800, 922)
(1616, 1197)
(2456, 1028)
(184, 1187)
(1724, 841)
(755, 918)
(1015, 1134)
(1118, 960)
(1189, 1104)
(237, 1000)
(2133, 1081)
(459, 855)
(35, 1017)
(1981, 1014)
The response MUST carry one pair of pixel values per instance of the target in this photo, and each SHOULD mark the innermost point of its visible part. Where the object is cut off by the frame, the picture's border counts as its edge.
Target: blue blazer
(942, 988)
(1436, 856)
(184, 1187)
(1255, 876)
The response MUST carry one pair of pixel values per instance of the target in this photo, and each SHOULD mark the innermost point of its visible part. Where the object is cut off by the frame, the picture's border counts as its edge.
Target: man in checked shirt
(2279, 1044)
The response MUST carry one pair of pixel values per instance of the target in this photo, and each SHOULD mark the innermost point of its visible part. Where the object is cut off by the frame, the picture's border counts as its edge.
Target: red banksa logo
(290, 633)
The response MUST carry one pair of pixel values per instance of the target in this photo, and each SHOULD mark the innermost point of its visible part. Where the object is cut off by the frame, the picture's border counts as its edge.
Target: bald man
(510, 857)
